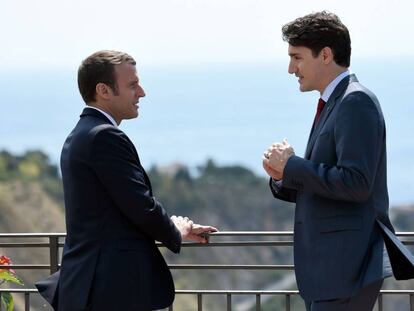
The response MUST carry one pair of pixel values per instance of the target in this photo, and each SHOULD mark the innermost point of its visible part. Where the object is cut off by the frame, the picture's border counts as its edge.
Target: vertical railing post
(228, 302)
(54, 253)
(199, 302)
(171, 308)
(411, 302)
(287, 302)
(258, 304)
(26, 301)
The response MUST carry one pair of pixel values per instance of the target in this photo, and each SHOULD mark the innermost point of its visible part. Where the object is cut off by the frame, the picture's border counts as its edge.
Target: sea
(227, 112)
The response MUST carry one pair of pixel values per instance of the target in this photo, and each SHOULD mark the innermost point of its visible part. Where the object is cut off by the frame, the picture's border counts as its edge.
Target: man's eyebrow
(293, 54)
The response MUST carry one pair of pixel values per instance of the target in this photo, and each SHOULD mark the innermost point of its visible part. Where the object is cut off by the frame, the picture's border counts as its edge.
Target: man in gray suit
(340, 185)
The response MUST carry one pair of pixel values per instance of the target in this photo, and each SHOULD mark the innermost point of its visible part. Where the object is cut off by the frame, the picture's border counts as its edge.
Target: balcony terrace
(53, 243)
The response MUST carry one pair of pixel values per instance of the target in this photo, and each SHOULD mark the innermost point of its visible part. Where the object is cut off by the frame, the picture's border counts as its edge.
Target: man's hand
(190, 231)
(276, 157)
(270, 171)
(198, 233)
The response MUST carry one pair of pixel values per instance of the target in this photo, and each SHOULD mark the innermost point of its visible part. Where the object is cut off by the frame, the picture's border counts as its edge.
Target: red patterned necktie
(321, 104)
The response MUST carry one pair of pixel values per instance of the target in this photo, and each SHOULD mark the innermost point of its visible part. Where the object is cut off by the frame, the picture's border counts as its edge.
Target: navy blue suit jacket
(110, 260)
(340, 190)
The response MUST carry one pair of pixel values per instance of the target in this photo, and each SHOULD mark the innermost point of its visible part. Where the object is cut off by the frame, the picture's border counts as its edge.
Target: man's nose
(291, 68)
(141, 92)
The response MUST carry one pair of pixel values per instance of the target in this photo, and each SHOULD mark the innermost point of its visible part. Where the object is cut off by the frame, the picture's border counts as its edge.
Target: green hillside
(232, 198)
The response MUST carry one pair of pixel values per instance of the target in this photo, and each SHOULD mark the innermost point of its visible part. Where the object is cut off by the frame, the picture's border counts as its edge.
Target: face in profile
(125, 102)
(306, 67)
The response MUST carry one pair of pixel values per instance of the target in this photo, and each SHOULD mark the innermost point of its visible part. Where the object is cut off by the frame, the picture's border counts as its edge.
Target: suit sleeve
(117, 167)
(359, 138)
(280, 192)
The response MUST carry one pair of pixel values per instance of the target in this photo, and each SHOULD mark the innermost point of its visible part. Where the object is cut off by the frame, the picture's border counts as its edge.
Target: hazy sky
(44, 35)
(50, 33)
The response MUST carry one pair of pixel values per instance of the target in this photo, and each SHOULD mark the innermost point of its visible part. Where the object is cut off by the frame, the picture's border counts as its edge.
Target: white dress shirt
(334, 83)
(106, 115)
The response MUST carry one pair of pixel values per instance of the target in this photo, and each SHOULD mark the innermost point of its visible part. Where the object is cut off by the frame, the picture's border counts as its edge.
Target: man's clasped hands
(276, 157)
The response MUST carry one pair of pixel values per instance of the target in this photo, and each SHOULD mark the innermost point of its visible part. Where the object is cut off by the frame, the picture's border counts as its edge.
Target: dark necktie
(321, 104)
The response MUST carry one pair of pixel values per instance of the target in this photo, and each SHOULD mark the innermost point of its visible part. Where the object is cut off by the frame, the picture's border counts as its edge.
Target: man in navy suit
(110, 259)
(340, 185)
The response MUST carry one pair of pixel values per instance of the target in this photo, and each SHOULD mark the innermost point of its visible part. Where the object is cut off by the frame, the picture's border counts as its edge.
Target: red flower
(5, 261)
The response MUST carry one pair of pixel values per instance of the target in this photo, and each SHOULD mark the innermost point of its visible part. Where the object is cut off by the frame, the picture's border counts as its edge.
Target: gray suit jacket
(340, 190)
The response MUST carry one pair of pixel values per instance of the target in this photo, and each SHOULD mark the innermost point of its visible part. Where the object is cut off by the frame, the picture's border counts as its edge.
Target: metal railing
(55, 243)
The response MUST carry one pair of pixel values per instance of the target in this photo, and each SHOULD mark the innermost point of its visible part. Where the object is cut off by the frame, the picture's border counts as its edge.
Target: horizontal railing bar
(221, 233)
(175, 266)
(236, 292)
(27, 245)
(18, 290)
(211, 244)
(230, 267)
(404, 233)
(236, 243)
(24, 245)
(25, 267)
(397, 291)
(223, 291)
(274, 292)
(31, 235)
(250, 233)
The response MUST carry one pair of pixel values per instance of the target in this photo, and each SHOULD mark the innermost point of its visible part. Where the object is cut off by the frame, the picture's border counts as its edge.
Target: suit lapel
(332, 101)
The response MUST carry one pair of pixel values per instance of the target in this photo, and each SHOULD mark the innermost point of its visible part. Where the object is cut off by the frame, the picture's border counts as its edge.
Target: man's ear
(103, 91)
(327, 55)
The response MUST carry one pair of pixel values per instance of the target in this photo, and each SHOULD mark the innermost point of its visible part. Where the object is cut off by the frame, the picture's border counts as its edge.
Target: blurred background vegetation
(232, 198)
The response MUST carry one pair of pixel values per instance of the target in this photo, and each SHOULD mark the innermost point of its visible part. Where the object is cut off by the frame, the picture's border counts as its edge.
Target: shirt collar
(106, 115)
(334, 83)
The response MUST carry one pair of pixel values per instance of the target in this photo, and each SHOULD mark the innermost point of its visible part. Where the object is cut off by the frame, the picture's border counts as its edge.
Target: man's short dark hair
(317, 31)
(100, 68)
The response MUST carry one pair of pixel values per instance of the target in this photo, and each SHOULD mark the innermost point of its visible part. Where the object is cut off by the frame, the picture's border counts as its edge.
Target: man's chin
(132, 116)
(303, 88)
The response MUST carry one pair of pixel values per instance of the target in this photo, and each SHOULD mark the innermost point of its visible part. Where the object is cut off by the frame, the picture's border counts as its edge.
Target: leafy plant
(7, 275)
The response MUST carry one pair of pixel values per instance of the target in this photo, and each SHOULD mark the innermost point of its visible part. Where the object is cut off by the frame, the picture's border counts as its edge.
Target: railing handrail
(212, 234)
(225, 291)
(55, 242)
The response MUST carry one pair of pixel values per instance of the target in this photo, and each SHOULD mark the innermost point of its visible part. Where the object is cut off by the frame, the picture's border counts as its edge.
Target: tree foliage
(32, 166)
